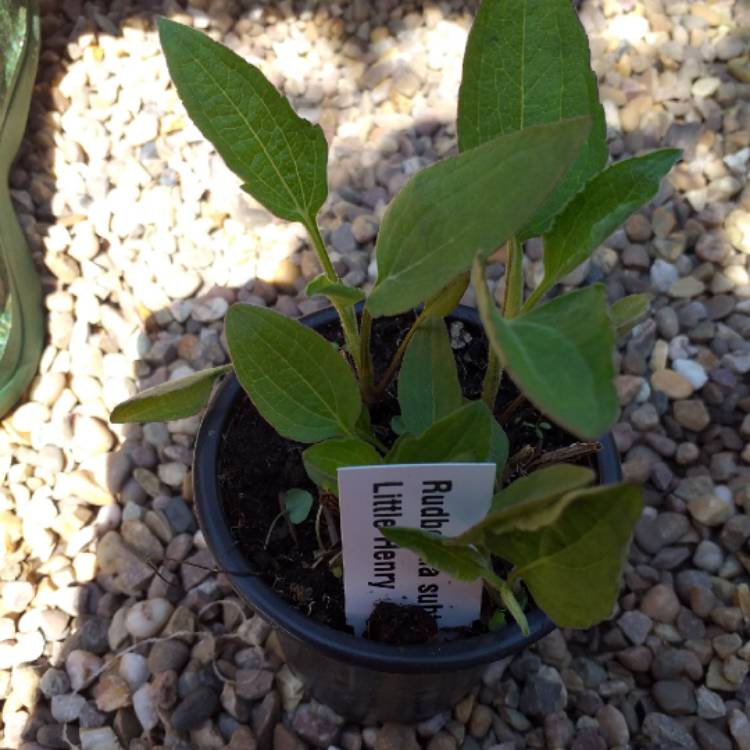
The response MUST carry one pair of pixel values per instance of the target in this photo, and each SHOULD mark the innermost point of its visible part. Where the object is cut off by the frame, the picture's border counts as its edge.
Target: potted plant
(375, 379)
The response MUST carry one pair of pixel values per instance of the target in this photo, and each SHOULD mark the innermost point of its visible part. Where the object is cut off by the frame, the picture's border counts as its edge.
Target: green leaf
(281, 157)
(527, 63)
(297, 504)
(174, 399)
(519, 505)
(560, 356)
(573, 566)
(336, 291)
(448, 299)
(428, 387)
(461, 562)
(469, 203)
(397, 425)
(465, 432)
(323, 460)
(296, 379)
(538, 487)
(601, 208)
(629, 311)
(499, 446)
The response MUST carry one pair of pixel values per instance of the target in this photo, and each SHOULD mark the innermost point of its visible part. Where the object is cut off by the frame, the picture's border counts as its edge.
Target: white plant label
(442, 498)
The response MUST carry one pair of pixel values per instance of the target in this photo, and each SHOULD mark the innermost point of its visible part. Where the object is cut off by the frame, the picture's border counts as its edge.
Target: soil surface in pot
(256, 466)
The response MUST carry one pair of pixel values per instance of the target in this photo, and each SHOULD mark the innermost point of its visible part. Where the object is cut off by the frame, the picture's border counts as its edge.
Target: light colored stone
(672, 384)
(146, 619)
(82, 668)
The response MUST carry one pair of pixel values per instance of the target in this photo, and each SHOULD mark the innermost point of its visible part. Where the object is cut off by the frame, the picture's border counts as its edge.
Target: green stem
(508, 599)
(365, 356)
(320, 249)
(512, 302)
(533, 298)
(513, 280)
(345, 312)
(492, 377)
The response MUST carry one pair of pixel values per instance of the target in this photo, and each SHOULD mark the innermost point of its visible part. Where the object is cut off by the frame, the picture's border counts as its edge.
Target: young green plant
(532, 162)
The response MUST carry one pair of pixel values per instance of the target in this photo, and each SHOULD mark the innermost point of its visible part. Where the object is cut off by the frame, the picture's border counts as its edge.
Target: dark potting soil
(256, 466)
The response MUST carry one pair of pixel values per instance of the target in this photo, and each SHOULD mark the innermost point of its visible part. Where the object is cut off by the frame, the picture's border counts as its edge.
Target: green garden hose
(21, 326)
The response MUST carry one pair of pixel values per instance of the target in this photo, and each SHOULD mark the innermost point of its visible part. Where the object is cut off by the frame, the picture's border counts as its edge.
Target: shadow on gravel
(149, 475)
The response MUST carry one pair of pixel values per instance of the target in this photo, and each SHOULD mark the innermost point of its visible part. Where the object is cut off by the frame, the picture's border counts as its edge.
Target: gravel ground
(144, 239)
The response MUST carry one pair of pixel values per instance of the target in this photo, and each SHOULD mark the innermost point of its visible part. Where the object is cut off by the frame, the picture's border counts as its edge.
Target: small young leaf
(519, 504)
(323, 460)
(466, 204)
(174, 399)
(336, 291)
(465, 432)
(461, 562)
(296, 379)
(428, 387)
(559, 355)
(573, 566)
(397, 425)
(527, 63)
(599, 209)
(297, 504)
(629, 311)
(280, 156)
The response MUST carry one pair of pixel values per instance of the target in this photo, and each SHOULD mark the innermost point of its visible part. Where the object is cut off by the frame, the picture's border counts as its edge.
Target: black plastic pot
(359, 679)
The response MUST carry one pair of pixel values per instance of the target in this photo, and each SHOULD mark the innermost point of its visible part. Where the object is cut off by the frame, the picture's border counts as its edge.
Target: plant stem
(318, 535)
(365, 356)
(532, 299)
(512, 301)
(346, 313)
(508, 598)
(320, 249)
(513, 280)
(492, 377)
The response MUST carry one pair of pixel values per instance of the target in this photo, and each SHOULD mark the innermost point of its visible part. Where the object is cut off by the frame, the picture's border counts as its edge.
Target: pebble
(147, 618)
(661, 604)
(710, 704)
(395, 737)
(194, 709)
(671, 383)
(691, 414)
(82, 668)
(691, 371)
(710, 510)
(66, 708)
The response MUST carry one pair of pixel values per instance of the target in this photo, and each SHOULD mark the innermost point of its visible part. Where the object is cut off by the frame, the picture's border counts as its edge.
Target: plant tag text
(443, 498)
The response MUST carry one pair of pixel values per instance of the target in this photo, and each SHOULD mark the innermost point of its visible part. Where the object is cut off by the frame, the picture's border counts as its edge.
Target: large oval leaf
(297, 380)
(281, 157)
(174, 399)
(560, 356)
(527, 63)
(470, 203)
(599, 209)
(573, 566)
